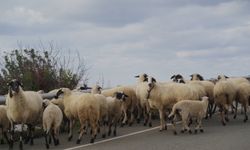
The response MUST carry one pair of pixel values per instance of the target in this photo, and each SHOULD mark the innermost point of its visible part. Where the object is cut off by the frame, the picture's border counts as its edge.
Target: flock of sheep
(187, 100)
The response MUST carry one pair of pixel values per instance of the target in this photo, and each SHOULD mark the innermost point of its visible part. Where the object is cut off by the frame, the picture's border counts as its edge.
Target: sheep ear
(200, 77)
(10, 91)
(153, 79)
(173, 76)
(59, 93)
(137, 76)
(226, 77)
(19, 83)
(125, 95)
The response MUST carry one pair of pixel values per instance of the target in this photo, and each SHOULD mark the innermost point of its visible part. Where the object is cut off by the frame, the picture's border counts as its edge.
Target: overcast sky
(122, 38)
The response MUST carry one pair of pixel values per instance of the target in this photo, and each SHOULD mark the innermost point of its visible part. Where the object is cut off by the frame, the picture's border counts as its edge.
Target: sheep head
(222, 77)
(196, 76)
(142, 77)
(177, 78)
(58, 93)
(120, 96)
(14, 87)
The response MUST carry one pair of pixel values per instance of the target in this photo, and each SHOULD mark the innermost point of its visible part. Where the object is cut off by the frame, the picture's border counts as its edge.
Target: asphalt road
(234, 136)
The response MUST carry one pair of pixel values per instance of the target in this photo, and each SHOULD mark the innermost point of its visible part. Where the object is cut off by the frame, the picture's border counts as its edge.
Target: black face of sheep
(145, 76)
(151, 82)
(121, 96)
(14, 86)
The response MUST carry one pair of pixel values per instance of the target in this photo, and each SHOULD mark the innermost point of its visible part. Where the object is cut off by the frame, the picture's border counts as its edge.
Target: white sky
(123, 38)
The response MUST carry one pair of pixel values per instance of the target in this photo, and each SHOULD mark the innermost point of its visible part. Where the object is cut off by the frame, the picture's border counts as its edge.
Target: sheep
(129, 105)
(236, 81)
(84, 107)
(114, 110)
(224, 95)
(52, 119)
(189, 109)
(243, 97)
(164, 96)
(209, 88)
(141, 92)
(4, 123)
(96, 90)
(23, 107)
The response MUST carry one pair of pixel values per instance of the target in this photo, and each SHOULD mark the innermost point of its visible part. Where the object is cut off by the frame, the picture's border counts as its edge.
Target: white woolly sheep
(84, 107)
(114, 110)
(164, 96)
(224, 95)
(243, 97)
(4, 123)
(189, 109)
(209, 89)
(141, 94)
(52, 119)
(96, 90)
(23, 107)
(129, 105)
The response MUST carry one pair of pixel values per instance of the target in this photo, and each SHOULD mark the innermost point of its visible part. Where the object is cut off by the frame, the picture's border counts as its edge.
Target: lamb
(164, 96)
(52, 119)
(141, 92)
(4, 123)
(23, 107)
(84, 107)
(114, 110)
(129, 105)
(189, 109)
(224, 95)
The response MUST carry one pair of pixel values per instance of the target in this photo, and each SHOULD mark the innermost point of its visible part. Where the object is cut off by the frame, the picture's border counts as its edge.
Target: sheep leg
(54, 137)
(145, 115)
(245, 113)
(236, 106)
(11, 135)
(6, 137)
(46, 139)
(71, 124)
(222, 116)
(94, 125)
(199, 125)
(104, 128)
(82, 131)
(132, 116)
(174, 125)
(162, 119)
(32, 135)
(139, 113)
(125, 117)
(21, 138)
(149, 115)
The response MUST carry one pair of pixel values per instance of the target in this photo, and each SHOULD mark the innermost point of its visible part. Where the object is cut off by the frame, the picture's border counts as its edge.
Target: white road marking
(115, 138)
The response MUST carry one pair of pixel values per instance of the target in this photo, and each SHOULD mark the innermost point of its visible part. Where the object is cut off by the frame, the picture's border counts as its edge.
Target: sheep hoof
(182, 131)
(190, 132)
(122, 124)
(226, 119)
(103, 135)
(175, 133)
(78, 141)
(195, 131)
(31, 142)
(92, 140)
(150, 124)
(234, 116)
(130, 124)
(98, 130)
(11, 144)
(47, 146)
(201, 130)
(144, 123)
(223, 123)
(138, 121)
(114, 133)
(109, 132)
(21, 145)
(2, 142)
(70, 138)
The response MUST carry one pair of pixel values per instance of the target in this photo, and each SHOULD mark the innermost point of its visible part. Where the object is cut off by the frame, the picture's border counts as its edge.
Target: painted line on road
(116, 138)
